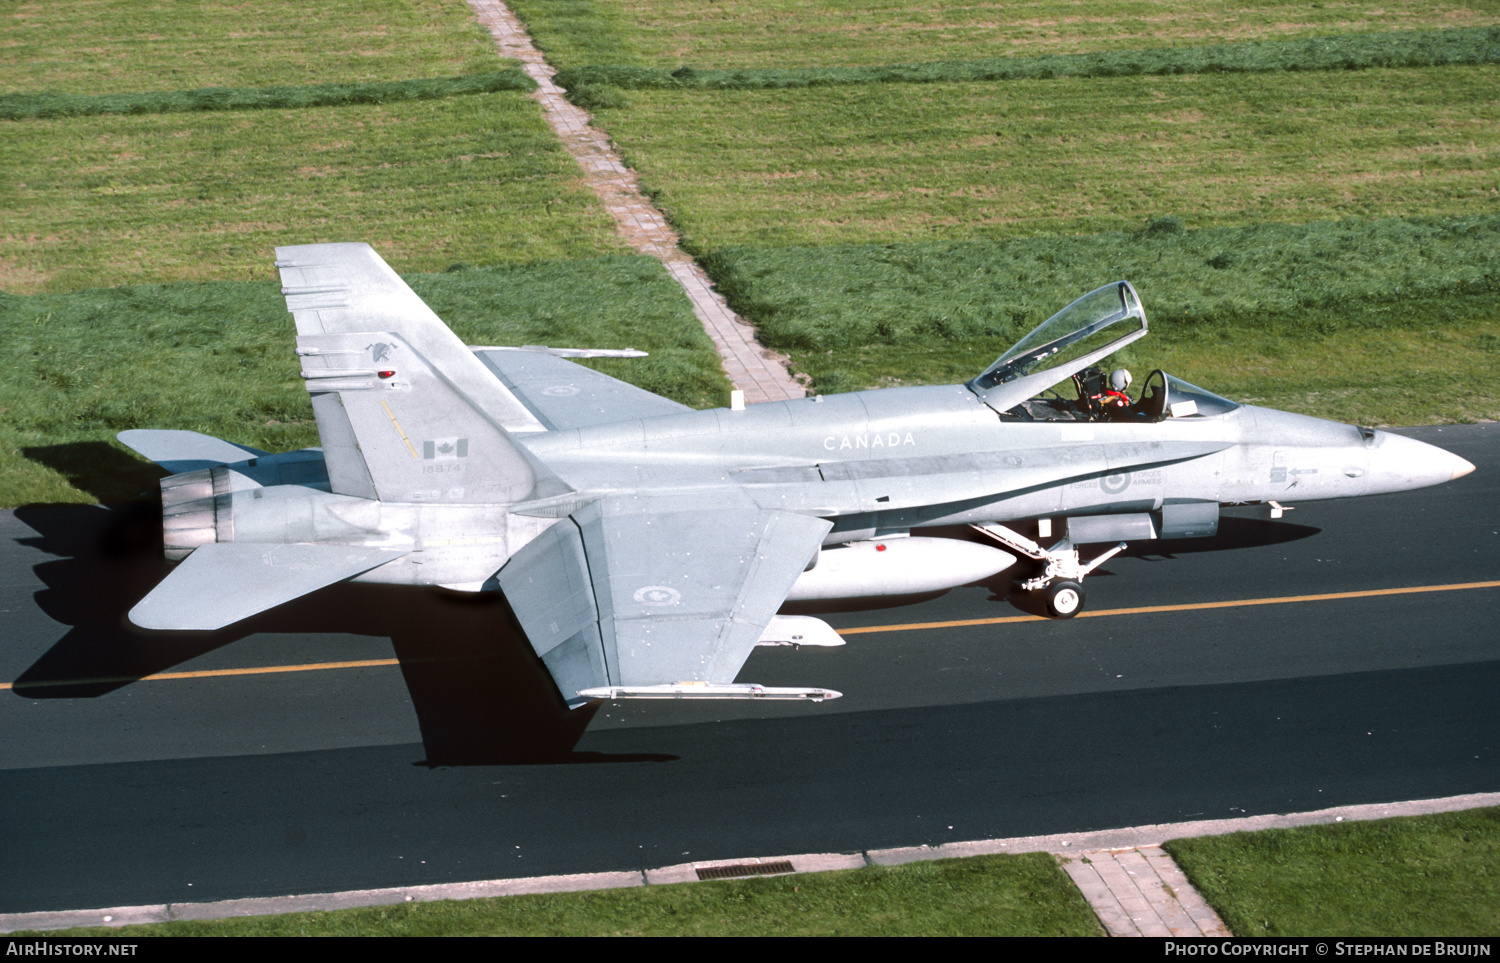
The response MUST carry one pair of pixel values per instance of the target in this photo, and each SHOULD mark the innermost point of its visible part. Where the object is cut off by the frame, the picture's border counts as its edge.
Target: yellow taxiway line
(210, 673)
(858, 630)
(1191, 607)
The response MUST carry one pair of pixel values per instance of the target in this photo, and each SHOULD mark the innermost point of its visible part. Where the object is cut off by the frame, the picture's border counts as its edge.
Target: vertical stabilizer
(405, 411)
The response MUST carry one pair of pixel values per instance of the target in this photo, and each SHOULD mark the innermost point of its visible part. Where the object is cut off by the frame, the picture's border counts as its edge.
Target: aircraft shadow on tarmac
(1234, 533)
(481, 696)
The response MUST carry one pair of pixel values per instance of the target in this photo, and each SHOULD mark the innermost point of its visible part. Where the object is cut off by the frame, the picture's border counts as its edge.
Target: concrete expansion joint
(645, 228)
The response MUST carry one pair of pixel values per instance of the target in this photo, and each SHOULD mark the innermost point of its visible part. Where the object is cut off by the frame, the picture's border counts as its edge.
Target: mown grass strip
(123, 46)
(1025, 895)
(84, 365)
(1292, 278)
(571, 32)
(1410, 310)
(100, 201)
(1433, 876)
(1443, 369)
(889, 162)
(827, 33)
(1423, 48)
(50, 105)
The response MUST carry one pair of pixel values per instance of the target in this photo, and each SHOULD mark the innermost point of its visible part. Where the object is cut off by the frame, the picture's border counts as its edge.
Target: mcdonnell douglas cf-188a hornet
(645, 547)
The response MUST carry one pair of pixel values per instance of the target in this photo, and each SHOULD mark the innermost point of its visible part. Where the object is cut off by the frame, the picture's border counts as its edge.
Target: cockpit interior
(1091, 399)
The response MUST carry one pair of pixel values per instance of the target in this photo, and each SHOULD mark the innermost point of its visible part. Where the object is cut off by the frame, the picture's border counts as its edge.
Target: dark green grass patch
(82, 366)
(1418, 876)
(1311, 278)
(121, 46)
(983, 896)
(822, 33)
(1480, 45)
(53, 105)
(892, 162)
(104, 200)
(1384, 322)
(1446, 373)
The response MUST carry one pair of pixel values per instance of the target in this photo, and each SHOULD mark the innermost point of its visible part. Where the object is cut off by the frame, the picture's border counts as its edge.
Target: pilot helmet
(1119, 379)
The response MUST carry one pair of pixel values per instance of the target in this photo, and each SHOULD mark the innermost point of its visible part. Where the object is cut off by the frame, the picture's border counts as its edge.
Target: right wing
(638, 591)
(565, 395)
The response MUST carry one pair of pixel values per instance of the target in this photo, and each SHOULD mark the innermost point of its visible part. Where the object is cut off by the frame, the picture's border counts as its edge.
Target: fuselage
(874, 462)
(906, 457)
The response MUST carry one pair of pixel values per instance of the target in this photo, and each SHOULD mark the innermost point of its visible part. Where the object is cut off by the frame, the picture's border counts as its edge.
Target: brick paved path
(761, 374)
(1140, 892)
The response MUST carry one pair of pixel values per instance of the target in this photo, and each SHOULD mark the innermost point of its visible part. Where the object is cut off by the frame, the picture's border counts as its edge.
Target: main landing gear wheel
(1064, 599)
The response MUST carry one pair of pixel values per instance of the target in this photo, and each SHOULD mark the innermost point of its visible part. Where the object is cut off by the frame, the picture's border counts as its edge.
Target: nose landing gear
(1061, 573)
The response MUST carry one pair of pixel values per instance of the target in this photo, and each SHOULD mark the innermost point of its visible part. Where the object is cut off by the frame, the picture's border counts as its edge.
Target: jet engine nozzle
(195, 510)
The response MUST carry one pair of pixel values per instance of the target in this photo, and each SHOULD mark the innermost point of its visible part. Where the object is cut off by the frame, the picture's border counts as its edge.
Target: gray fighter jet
(645, 547)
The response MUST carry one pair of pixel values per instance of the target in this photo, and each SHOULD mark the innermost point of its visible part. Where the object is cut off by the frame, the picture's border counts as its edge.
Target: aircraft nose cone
(1398, 463)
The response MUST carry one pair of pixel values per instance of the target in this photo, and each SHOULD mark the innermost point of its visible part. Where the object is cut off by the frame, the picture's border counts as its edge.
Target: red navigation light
(386, 374)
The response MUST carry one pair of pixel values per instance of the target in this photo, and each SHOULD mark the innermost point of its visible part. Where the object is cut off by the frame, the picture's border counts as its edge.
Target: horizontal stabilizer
(565, 395)
(180, 451)
(224, 582)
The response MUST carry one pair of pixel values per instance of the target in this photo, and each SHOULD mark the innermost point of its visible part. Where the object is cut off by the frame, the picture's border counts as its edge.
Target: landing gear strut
(1061, 569)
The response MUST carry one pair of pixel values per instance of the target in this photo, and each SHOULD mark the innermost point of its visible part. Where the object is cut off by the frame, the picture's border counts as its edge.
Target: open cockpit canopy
(1100, 318)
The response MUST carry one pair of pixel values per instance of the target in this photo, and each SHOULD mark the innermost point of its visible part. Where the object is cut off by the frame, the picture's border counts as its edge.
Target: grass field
(984, 896)
(109, 46)
(887, 162)
(1293, 279)
(1410, 309)
(106, 200)
(82, 366)
(823, 33)
(1420, 876)
(596, 86)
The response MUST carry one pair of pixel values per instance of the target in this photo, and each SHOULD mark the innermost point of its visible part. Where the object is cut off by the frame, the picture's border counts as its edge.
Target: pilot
(1114, 401)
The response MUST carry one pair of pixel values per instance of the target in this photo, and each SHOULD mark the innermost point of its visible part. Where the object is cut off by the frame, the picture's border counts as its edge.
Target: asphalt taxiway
(368, 737)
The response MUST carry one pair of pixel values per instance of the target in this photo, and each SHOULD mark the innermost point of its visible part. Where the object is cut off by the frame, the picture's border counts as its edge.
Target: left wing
(634, 592)
(565, 395)
(224, 582)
